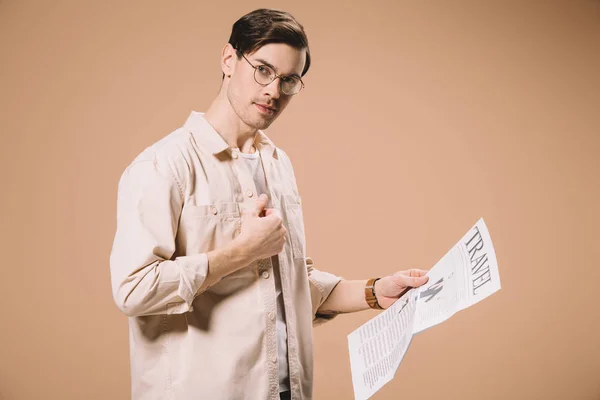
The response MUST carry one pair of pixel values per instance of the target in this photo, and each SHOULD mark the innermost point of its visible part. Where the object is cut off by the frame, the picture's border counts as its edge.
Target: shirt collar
(207, 136)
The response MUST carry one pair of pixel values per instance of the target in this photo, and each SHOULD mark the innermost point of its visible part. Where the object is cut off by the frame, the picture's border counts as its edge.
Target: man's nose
(274, 88)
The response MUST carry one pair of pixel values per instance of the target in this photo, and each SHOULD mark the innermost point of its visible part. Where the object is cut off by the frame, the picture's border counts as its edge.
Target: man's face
(258, 106)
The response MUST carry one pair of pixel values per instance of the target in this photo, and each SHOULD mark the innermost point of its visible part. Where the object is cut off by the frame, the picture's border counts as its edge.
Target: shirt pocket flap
(215, 210)
(292, 201)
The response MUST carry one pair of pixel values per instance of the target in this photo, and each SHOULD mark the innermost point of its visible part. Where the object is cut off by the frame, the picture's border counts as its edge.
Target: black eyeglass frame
(275, 76)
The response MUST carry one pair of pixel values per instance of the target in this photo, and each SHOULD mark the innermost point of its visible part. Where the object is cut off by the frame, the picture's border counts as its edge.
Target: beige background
(418, 118)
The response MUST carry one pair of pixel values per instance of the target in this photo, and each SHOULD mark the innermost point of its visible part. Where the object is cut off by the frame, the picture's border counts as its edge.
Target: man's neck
(226, 122)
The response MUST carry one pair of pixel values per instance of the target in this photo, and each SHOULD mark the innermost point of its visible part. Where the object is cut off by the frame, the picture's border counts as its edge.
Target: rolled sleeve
(321, 285)
(194, 270)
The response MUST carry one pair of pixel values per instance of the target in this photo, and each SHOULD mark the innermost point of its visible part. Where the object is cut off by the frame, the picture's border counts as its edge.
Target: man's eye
(263, 70)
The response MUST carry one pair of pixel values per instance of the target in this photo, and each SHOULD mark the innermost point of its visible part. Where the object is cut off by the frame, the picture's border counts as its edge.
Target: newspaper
(467, 274)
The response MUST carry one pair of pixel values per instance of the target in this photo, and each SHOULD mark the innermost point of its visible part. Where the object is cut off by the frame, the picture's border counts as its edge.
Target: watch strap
(370, 296)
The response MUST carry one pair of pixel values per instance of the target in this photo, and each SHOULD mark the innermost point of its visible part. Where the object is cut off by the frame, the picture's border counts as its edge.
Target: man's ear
(228, 60)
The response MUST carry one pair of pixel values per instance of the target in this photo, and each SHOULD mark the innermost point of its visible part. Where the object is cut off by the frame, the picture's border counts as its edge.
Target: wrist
(240, 253)
(377, 290)
(371, 294)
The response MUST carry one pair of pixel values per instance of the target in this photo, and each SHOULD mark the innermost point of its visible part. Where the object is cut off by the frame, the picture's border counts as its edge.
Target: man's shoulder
(164, 159)
(167, 148)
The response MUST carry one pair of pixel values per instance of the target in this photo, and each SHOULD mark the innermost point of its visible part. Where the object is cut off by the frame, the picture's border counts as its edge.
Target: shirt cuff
(194, 271)
(321, 285)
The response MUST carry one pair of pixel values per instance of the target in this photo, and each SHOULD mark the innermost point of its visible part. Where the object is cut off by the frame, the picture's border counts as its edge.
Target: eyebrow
(260, 60)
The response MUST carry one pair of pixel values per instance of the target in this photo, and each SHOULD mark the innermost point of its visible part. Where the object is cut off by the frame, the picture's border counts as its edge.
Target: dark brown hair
(264, 26)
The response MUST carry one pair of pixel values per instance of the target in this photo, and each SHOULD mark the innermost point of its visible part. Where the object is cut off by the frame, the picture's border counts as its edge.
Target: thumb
(419, 281)
(403, 280)
(261, 203)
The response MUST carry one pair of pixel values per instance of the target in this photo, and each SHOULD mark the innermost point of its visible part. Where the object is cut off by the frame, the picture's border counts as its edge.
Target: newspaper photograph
(465, 275)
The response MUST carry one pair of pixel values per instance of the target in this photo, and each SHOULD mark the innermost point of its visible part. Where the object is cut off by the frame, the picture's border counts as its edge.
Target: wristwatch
(370, 294)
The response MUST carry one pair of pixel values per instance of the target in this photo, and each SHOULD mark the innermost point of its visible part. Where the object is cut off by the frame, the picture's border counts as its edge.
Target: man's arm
(146, 280)
(349, 295)
(149, 291)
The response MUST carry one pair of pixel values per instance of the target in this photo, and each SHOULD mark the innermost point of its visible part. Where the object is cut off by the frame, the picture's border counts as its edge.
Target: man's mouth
(265, 109)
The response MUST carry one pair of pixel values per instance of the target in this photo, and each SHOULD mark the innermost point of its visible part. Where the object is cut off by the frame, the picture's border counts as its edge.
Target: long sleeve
(146, 280)
(321, 285)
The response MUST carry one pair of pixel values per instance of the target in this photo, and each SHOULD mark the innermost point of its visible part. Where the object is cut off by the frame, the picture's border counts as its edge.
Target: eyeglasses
(264, 75)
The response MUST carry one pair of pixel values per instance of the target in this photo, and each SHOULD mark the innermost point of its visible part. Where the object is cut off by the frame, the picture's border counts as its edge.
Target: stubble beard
(248, 114)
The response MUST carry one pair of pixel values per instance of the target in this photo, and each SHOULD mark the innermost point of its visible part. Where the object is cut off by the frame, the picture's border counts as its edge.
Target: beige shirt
(254, 163)
(180, 198)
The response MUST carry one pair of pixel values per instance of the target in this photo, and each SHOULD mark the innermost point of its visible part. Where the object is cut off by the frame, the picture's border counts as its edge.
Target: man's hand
(392, 287)
(261, 237)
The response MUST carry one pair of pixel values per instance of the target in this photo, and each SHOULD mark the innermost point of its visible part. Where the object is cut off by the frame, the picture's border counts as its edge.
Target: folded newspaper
(467, 274)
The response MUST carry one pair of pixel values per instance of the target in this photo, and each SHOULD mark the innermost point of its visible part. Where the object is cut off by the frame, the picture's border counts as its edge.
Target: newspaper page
(378, 346)
(466, 274)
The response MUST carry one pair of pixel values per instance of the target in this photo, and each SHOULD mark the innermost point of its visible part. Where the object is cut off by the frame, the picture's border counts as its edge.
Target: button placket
(244, 178)
(247, 190)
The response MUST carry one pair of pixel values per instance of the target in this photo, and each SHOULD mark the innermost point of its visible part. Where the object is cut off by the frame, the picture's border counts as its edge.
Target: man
(208, 259)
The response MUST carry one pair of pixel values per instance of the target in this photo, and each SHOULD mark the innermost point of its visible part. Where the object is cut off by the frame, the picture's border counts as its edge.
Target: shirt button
(265, 274)
(234, 155)
(273, 359)
(214, 210)
(271, 316)
(249, 193)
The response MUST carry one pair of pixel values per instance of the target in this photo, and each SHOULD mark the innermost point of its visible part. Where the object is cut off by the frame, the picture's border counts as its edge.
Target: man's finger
(412, 281)
(261, 203)
(419, 281)
(273, 214)
(414, 272)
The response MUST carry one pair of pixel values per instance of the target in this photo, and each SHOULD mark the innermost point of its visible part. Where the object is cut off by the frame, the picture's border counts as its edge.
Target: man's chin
(262, 122)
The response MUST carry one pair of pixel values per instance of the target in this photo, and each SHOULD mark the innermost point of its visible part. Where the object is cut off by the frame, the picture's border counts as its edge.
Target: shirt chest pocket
(206, 227)
(293, 210)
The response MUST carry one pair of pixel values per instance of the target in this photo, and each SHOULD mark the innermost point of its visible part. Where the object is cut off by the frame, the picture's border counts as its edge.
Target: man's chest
(221, 189)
